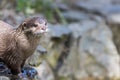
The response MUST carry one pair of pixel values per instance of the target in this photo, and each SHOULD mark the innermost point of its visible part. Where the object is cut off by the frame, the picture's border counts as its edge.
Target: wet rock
(4, 70)
(28, 73)
(4, 78)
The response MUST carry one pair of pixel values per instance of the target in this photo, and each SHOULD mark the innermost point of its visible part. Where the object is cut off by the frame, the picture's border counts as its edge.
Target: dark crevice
(64, 53)
(116, 37)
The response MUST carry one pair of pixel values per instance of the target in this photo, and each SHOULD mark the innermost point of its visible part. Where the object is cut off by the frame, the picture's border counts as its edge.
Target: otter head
(35, 26)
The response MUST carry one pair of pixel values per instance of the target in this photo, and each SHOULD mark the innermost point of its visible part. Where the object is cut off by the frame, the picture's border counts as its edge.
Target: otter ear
(24, 25)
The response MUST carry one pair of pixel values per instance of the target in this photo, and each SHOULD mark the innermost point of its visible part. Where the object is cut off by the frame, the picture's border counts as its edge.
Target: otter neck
(27, 41)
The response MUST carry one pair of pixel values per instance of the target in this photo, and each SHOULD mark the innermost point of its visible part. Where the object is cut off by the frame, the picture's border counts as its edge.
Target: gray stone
(113, 18)
(58, 30)
(109, 9)
(92, 52)
(41, 50)
(74, 16)
(103, 52)
(78, 29)
(36, 58)
(92, 5)
(4, 78)
(44, 72)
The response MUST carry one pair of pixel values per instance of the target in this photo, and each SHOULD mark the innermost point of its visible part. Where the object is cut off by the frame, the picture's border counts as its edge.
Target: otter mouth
(40, 32)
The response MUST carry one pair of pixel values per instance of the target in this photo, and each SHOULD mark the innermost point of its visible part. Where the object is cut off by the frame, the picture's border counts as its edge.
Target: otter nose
(44, 28)
(45, 23)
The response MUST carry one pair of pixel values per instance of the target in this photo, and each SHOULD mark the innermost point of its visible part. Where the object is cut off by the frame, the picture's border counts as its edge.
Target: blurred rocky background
(83, 42)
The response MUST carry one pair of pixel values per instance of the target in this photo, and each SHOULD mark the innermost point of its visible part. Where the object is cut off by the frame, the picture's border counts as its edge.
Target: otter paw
(29, 71)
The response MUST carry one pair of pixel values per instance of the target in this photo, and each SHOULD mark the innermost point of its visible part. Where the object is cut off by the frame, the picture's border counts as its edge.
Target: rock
(111, 14)
(102, 46)
(58, 30)
(37, 57)
(4, 70)
(116, 37)
(109, 9)
(27, 73)
(41, 50)
(44, 72)
(74, 16)
(78, 29)
(92, 5)
(113, 18)
(4, 78)
(92, 52)
(11, 17)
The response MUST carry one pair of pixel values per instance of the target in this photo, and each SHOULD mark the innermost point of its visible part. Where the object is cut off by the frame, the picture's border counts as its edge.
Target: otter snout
(44, 28)
(43, 23)
(36, 25)
(41, 26)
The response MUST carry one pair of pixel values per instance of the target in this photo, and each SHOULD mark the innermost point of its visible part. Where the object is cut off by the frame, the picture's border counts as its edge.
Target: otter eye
(34, 25)
(24, 24)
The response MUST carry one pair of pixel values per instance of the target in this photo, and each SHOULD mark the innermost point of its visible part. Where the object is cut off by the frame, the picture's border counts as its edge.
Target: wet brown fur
(16, 46)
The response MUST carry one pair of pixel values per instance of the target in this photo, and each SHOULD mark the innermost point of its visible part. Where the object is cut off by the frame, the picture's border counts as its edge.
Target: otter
(17, 44)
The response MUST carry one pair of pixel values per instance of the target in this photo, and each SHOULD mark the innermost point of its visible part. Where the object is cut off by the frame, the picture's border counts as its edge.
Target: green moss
(40, 6)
